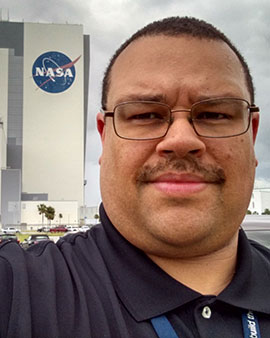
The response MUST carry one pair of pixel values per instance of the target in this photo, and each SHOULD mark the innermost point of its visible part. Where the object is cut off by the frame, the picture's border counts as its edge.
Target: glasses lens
(221, 117)
(141, 120)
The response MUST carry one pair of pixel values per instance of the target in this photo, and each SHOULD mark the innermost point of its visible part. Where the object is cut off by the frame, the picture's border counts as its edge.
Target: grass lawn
(25, 235)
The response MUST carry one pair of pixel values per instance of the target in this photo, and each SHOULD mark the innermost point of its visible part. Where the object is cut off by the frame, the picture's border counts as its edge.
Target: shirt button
(206, 312)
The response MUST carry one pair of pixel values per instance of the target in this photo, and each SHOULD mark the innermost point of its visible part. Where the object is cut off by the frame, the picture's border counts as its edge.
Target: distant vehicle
(8, 237)
(10, 230)
(84, 228)
(59, 229)
(34, 239)
(44, 229)
(73, 229)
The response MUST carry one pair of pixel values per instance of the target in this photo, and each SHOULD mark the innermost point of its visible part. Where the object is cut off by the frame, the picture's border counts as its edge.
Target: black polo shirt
(98, 285)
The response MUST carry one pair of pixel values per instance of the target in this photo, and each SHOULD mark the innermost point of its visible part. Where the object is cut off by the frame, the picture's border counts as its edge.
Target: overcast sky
(109, 23)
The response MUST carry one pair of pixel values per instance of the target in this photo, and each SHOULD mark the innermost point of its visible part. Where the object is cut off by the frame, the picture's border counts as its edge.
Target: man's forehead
(148, 58)
(151, 44)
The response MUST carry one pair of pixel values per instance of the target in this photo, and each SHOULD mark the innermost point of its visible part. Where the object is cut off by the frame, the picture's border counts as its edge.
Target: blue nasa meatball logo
(54, 72)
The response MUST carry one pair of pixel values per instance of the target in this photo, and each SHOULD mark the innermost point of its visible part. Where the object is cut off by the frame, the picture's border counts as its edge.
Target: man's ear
(255, 118)
(101, 126)
(101, 130)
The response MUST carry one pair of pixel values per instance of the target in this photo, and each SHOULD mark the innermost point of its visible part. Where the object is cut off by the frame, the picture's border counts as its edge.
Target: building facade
(260, 200)
(66, 213)
(43, 115)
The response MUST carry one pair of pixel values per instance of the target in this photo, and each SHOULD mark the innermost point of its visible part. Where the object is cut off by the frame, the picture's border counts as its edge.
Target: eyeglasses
(212, 118)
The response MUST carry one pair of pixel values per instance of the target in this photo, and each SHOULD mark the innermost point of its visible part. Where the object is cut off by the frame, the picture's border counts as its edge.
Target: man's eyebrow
(142, 97)
(215, 96)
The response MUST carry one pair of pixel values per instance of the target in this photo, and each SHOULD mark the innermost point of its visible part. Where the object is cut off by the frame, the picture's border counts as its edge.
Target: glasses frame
(252, 108)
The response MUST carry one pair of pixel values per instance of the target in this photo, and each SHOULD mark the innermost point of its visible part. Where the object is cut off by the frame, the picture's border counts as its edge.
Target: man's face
(181, 195)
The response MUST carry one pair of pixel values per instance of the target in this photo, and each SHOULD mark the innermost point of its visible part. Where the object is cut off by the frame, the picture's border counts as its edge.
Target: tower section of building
(44, 98)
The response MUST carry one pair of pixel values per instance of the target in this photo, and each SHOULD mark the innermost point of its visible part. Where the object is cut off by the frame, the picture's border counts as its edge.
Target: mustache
(189, 164)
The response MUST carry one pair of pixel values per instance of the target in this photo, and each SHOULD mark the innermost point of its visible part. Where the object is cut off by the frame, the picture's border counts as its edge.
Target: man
(178, 126)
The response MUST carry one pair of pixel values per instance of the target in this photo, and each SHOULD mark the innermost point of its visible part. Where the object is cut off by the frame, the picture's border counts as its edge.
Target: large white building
(260, 200)
(43, 113)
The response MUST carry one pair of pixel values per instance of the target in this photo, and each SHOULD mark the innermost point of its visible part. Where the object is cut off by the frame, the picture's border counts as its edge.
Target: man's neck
(208, 275)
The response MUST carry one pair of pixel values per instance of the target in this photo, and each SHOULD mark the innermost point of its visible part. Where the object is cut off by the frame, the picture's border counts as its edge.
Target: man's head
(181, 194)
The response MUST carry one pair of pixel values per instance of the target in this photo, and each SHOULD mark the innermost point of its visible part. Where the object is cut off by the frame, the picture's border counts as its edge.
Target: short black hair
(175, 26)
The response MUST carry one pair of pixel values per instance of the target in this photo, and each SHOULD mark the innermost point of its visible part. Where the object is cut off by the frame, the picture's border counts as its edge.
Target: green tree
(249, 212)
(266, 212)
(255, 213)
(96, 217)
(42, 211)
(49, 214)
(60, 217)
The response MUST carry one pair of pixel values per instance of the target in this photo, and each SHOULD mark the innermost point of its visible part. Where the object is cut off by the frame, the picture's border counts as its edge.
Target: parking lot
(29, 238)
(257, 227)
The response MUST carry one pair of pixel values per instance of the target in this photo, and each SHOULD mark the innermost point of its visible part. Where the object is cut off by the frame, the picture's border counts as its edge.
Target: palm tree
(50, 213)
(42, 210)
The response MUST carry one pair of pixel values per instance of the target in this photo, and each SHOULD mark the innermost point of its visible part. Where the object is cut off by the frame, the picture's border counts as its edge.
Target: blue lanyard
(250, 325)
(164, 328)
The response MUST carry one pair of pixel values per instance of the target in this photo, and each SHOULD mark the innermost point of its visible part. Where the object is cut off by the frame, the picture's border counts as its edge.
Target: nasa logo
(54, 72)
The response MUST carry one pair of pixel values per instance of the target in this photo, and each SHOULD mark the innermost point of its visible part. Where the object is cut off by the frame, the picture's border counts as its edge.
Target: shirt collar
(250, 287)
(144, 289)
(147, 291)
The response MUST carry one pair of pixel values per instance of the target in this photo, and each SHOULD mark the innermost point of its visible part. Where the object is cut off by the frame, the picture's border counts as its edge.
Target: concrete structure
(33, 220)
(260, 200)
(88, 215)
(43, 115)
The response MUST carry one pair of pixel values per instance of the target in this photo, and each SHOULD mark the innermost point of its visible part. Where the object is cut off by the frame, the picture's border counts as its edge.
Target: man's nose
(181, 139)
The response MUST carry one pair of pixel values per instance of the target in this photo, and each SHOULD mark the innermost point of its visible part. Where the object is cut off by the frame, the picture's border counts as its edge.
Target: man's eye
(212, 116)
(147, 116)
